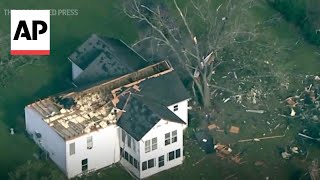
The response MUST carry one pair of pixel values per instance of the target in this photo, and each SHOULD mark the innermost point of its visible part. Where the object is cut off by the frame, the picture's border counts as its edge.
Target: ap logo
(30, 32)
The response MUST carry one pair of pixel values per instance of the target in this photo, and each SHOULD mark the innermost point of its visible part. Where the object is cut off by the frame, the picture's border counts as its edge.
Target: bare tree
(197, 36)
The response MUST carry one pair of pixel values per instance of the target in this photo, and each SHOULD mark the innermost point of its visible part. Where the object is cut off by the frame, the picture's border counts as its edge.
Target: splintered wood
(213, 126)
(234, 129)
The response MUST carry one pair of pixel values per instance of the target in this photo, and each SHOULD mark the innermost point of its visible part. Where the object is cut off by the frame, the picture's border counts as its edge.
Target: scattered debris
(259, 139)
(255, 111)
(236, 159)
(234, 129)
(295, 150)
(305, 136)
(228, 177)
(222, 150)
(213, 126)
(314, 170)
(276, 126)
(291, 101)
(199, 161)
(226, 100)
(259, 163)
(285, 155)
(11, 131)
(293, 113)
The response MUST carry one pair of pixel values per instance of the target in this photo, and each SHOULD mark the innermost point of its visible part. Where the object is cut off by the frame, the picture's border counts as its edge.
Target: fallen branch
(258, 139)
(199, 161)
(228, 177)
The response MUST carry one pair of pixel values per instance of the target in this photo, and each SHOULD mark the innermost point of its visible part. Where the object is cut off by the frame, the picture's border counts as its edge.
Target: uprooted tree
(201, 36)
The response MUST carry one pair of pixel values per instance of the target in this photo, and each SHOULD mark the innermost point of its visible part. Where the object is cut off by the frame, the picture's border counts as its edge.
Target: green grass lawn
(52, 75)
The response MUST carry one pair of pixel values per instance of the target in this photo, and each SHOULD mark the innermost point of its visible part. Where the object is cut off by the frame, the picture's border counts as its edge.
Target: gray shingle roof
(142, 114)
(103, 58)
(166, 89)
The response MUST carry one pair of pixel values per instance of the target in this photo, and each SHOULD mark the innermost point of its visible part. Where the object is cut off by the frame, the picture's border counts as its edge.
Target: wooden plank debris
(255, 111)
(234, 129)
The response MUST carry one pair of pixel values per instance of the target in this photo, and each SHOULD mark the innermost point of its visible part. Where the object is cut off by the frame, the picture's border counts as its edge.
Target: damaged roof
(142, 114)
(74, 113)
(104, 58)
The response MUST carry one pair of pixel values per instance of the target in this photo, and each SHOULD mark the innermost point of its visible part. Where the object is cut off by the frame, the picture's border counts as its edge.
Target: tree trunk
(206, 96)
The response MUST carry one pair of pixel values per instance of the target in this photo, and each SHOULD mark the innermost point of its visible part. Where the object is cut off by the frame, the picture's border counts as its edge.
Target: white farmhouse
(123, 110)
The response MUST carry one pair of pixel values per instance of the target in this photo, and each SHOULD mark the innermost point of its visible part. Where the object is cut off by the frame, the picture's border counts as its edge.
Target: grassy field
(52, 75)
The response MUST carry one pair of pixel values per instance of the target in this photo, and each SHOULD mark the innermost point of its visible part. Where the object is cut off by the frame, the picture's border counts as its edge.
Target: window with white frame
(151, 163)
(175, 107)
(148, 164)
(154, 144)
(170, 137)
(84, 164)
(134, 162)
(174, 136)
(167, 139)
(147, 147)
(144, 165)
(72, 148)
(174, 154)
(161, 161)
(89, 142)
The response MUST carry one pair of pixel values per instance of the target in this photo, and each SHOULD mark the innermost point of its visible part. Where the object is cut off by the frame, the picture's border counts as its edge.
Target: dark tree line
(304, 14)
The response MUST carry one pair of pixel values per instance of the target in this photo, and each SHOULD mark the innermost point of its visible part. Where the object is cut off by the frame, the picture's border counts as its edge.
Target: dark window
(121, 151)
(129, 141)
(84, 164)
(150, 163)
(171, 155)
(161, 161)
(167, 139)
(144, 165)
(126, 155)
(130, 159)
(123, 136)
(135, 163)
(178, 153)
(175, 108)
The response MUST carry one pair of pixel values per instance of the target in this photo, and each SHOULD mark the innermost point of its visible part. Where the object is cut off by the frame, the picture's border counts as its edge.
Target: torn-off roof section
(104, 67)
(141, 115)
(166, 89)
(87, 52)
(105, 59)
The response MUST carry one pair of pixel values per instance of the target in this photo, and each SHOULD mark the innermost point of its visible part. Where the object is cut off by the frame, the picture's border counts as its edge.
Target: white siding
(105, 150)
(76, 71)
(182, 111)
(50, 140)
(134, 153)
(159, 131)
